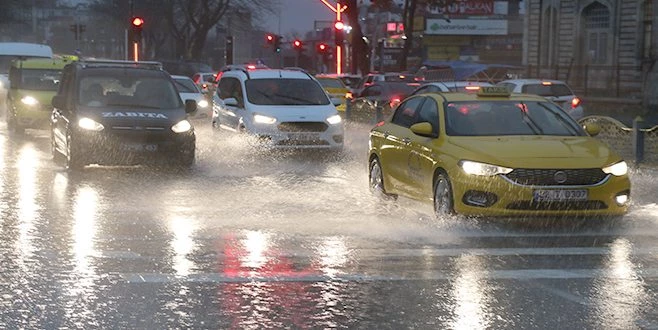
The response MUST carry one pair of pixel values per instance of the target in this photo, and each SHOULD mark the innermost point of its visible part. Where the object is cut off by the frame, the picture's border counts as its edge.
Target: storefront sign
(466, 27)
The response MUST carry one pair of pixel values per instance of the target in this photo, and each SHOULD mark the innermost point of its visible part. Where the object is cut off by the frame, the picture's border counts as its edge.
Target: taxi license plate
(139, 147)
(560, 195)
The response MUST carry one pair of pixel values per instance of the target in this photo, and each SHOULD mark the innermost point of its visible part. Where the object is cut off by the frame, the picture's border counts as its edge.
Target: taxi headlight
(617, 169)
(262, 119)
(90, 124)
(29, 100)
(182, 126)
(202, 104)
(476, 168)
(335, 119)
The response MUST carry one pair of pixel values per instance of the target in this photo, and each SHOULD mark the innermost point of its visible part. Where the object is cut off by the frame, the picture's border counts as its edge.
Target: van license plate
(560, 195)
(139, 147)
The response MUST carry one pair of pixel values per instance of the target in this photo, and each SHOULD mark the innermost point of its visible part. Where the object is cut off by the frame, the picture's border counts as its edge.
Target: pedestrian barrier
(637, 144)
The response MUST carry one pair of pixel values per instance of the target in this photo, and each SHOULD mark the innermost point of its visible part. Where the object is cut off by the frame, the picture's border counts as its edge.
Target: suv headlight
(90, 124)
(617, 169)
(335, 119)
(262, 119)
(182, 126)
(29, 100)
(476, 168)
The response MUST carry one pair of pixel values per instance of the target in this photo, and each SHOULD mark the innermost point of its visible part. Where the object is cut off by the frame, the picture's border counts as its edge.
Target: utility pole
(339, 48)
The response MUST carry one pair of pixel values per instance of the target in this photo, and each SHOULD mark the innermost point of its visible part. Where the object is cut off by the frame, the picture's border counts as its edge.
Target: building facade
(604, 48)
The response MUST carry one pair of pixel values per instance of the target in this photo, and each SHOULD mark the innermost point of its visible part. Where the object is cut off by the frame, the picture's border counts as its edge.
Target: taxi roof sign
(494, 91)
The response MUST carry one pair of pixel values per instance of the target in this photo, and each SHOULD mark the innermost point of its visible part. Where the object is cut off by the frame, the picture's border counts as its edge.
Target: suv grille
(556, 177)
(302, 127)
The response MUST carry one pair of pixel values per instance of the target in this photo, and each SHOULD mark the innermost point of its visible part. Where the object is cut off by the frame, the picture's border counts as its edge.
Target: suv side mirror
(190, 106)
(58, 101)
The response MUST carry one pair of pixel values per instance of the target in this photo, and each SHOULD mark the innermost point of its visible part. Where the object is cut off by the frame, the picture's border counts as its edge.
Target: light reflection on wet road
(255, 240)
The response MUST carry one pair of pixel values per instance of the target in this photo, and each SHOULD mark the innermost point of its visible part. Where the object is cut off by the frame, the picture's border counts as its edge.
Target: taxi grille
(557, 206)
(549, 177)
(292, 126)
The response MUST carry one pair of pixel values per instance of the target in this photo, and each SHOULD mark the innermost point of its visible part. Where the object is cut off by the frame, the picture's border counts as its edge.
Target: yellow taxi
(496, 154)
(336, 89)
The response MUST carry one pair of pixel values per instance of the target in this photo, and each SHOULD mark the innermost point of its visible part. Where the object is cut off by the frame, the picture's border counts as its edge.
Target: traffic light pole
(339, 48)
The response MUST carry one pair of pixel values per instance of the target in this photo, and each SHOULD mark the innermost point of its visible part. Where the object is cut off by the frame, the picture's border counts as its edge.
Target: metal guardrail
(637, 144)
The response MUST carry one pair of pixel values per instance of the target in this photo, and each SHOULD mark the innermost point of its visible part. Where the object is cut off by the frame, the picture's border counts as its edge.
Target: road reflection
(471, 294)
(27, 205)
(619, 293)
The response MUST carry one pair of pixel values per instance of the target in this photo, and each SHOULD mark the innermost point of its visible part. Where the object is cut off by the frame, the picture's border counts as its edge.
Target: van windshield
(281, 91)
(40, 79)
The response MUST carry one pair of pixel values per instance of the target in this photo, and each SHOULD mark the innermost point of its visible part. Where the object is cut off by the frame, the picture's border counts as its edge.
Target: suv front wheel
(74, 159)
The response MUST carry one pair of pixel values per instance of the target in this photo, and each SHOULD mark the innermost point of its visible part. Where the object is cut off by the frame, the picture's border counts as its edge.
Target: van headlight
(29, 100)
(335, 119)
(476, 168)
(617, 169)
(182, 126)
(202, 104)
(262, 119)
(90, 124)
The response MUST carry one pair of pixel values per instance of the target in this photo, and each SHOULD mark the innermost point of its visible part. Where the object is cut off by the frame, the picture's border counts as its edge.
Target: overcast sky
(299, 16)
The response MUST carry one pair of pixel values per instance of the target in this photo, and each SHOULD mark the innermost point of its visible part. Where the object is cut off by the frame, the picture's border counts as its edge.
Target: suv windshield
(280, 91)
(499, 118)
(40, 79)
(153, 92)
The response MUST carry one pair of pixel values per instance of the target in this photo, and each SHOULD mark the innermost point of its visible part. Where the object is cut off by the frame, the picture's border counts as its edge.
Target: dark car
(385, 95)
(116, 112)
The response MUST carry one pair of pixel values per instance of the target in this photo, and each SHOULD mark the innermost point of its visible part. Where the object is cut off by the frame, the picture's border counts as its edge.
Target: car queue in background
(554, 90)
(336, 89)
(378, 100)
(188, 90)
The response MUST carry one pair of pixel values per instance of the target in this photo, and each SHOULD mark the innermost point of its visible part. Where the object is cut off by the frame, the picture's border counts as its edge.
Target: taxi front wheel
(443, 202)
(376, 179)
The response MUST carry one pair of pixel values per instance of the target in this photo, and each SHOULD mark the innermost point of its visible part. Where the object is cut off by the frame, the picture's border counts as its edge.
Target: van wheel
(58, 157)
(443, 201)
(187, 158)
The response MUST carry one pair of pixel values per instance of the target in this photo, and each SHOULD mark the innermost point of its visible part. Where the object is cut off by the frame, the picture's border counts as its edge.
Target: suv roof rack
(117, 63)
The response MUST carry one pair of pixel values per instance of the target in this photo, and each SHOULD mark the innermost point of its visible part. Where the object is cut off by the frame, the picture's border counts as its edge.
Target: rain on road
(256, 240)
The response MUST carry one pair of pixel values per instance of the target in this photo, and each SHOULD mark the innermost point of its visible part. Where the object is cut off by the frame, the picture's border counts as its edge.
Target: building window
(596, 18)
(647, 27)
(549, 36)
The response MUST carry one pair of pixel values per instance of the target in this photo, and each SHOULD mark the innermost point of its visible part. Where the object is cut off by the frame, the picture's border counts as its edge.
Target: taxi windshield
(40, 79)
(498, 118)
(100, 91)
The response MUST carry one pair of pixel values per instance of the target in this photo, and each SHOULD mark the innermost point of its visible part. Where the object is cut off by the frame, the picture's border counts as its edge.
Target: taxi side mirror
(592, 129)
(423, 129)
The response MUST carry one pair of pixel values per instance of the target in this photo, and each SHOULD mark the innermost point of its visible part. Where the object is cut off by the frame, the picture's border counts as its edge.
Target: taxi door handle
(406, 141)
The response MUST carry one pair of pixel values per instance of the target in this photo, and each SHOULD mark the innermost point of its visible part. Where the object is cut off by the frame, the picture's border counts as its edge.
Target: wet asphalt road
(255, 240)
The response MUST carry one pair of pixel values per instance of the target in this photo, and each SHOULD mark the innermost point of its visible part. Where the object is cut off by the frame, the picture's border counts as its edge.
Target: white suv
(554, 90)
(283, 108)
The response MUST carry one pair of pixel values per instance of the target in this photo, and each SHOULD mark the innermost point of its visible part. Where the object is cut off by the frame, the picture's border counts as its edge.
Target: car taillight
(348, 95)
(575, 102)
(381, 123)
(204, 86)
(394, 102)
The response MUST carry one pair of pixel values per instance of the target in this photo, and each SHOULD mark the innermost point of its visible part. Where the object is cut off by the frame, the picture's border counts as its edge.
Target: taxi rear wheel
(443, 201)
(376, 179)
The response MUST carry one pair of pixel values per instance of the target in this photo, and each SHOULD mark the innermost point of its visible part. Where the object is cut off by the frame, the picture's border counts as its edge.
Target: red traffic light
(138, 22)
(339, 25)
(269, 38)
(322, 47)
(297, 44)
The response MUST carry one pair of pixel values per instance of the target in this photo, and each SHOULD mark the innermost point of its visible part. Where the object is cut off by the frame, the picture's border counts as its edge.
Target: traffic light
(277, 43)
(269, 39)
(297, 44)
(136, 25)
(322, 48)
(339, 32)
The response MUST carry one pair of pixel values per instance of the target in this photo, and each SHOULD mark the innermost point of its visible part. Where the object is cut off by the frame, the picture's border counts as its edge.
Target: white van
(10, 51)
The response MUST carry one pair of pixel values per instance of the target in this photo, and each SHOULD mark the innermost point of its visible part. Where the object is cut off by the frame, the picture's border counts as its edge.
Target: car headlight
(476, 168)
(29, 100)
(202, 104)
(182, 126)
(617, 169)
(335, 119)
(261, 119)
(90, 124)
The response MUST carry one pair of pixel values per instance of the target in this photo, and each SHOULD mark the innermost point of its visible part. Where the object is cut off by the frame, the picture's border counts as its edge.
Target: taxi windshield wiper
(528, 120)
(561, 120)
